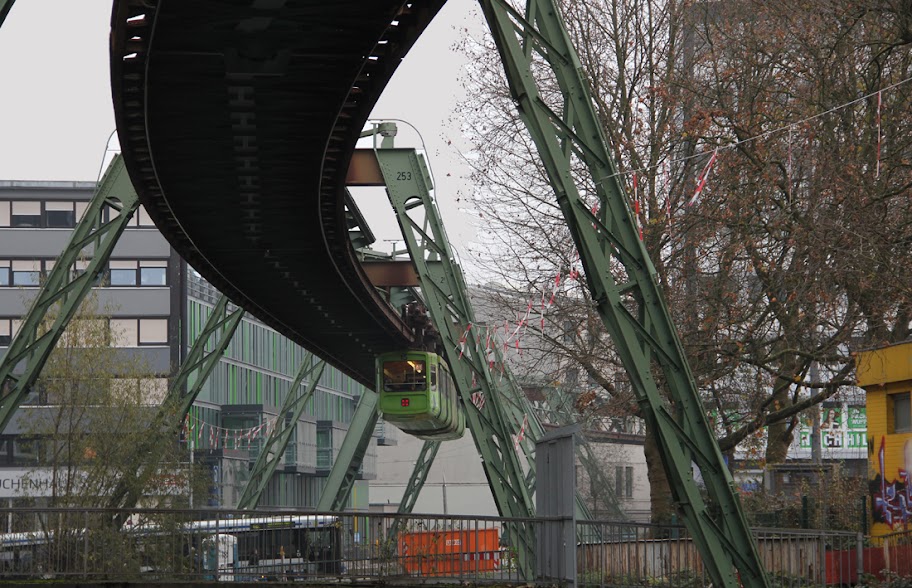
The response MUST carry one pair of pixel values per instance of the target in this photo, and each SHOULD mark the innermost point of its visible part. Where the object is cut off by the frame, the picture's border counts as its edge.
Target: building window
(153, 331)
(902, 412)
(623, 482)
(138, 273)
(141, 219)
(60, 215)
(153, 273)
(124, 333)
(5, 275)
(6, 332)
(123, 273)
(4, 213)
(26, 215)
(26, 272)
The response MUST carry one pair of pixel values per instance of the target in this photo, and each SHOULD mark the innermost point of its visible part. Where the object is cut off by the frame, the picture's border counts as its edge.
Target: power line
(765, 134)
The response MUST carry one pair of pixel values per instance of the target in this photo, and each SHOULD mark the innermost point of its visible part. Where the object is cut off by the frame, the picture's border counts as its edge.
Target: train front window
(404, 376)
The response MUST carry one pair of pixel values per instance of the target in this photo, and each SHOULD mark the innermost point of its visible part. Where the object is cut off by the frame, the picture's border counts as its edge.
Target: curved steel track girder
(237, 122)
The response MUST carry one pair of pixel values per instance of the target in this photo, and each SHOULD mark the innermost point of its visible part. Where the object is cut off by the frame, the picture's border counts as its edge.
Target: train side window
(433, 377)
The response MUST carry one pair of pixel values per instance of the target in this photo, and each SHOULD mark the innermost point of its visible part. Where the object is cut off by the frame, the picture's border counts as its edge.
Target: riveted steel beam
(445, 294)
(204, 355)
(66, 287)
(274, 447)
(345, 468)
(565, 128)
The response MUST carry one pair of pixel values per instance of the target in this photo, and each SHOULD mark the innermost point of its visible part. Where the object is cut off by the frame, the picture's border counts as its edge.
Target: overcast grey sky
(55, 104)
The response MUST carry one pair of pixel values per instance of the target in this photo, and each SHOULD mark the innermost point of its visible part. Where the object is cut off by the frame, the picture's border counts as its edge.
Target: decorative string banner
(703, 177)
(495, 341)
(194, 429)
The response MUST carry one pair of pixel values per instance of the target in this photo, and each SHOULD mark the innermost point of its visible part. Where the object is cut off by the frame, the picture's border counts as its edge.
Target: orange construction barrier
(448, 553)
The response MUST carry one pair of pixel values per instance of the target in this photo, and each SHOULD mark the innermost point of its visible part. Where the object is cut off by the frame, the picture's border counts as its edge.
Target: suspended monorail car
(418, 395)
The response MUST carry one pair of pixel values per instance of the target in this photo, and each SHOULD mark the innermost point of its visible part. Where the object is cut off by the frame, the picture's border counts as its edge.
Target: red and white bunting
(704, 175)
(478, 399)
(522, 432)
(463, 340)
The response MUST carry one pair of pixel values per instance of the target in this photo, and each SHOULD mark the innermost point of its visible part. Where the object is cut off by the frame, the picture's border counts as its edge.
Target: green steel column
(65, 289)
(274, 447)
(515, 405)
(204, 355)
(351, 454)
(419, 475)
(415, 484)
(645, 337)
(446, 296)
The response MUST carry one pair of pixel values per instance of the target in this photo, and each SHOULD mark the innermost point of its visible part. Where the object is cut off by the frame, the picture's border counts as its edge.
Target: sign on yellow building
(886, 376)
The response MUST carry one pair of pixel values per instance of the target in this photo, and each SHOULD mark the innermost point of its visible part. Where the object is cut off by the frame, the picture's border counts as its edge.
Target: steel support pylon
(566, 129)
(347, 463)
(490, 418)
(274, 447)
(204, 355)
(65, 288)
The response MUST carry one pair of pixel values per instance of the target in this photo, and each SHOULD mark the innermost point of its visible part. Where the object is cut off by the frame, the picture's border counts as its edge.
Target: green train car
(418, 395)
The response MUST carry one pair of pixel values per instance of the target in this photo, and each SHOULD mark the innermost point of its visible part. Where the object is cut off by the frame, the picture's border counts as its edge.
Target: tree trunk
(659, 491)
(778, 436)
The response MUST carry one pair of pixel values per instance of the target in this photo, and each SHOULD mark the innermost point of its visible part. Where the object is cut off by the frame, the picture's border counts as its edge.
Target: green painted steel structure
(204, 355)
(445, 294)
(65, 288)
(274, 447)
(566, 130)
(345, 468)
(418, 477)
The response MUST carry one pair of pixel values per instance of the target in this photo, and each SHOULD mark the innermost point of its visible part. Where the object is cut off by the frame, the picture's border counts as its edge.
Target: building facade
(157, 306)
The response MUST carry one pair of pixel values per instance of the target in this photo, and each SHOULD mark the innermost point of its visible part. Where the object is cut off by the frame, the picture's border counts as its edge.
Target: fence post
(859, 556)
(555, 496)
(821, 550)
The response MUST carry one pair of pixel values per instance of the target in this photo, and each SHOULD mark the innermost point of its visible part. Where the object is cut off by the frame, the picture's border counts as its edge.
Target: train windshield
(404, 376)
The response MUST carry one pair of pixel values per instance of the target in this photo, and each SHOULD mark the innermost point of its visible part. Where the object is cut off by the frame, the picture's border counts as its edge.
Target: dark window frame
(905, 400)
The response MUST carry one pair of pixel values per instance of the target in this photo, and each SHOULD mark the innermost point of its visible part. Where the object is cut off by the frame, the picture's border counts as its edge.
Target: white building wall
(458, 470)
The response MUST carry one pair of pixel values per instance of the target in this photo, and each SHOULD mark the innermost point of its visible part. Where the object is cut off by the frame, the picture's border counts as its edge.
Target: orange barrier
(437, 553)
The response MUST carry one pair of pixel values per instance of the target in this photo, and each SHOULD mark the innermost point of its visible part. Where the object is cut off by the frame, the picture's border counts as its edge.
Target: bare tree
(89, 412)
(796, 250)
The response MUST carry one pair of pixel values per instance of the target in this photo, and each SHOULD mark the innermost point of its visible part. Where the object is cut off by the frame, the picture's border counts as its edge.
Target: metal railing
(891, 553)
(184, 545)
(631, 554)
(198, 545)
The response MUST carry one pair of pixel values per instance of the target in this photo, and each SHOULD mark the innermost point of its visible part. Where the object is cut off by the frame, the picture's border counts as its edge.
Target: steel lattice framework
(65, 288)
(633, 310)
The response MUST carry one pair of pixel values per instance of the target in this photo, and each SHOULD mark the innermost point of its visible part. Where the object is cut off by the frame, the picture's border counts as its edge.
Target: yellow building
(886, 376)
